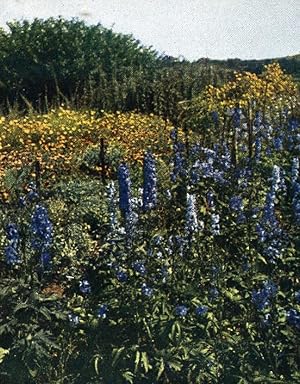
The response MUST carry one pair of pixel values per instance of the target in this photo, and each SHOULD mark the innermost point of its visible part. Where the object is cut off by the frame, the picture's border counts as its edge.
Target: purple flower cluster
(191, 220)
(215, 217)
(181, 310)
(125, 202)
(42, 231)
(139, 267)
(261, 297)
(84, 287)
(150, 182)
(113, 219)
(11, 250)
(268, 229)
(102, 311)
(295, 187)
(179, 163)
(293, 318)
(146, 290)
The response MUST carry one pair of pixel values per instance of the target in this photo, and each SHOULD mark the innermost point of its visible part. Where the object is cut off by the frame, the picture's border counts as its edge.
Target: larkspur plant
(11, 250)
(150, 182)
(159, 289)
(42, 231)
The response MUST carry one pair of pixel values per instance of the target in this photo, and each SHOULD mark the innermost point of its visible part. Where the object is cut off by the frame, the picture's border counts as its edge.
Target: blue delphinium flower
(11, 250)
(181, 310)
(178, 162)
(42, 231)
(150, 182)
(22, 202)
(267, 320)
(139, 267)
(296, 202)
(41, 227)
(257, 120)
(225, 158)
(174, 134)
(11, 255)
(215, 217)
(268, 229)
(85, 287)
(201, 310)
(243, 176)
(297, 297)
(122, 276)
(275, 179)
(278, 143)
(146, 290)
(215, 117)
(236, 203)
(45, 258)
(293, 124)
(295, 171)
(236, 117)
(270, 288)
(213, 293)
(33, 193)
(124, 189)
(215, 223)
(293, 318)
(257, 154)
(210, 200)
(73, 319)
(261, 297)
(191, 220)
(12, 232)
(113, 220)
(102, 311)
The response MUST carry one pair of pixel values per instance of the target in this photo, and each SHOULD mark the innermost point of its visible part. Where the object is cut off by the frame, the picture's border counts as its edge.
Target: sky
(218, 29)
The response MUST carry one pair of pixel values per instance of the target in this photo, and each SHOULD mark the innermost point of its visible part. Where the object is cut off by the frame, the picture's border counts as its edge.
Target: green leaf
(137, 360)
(128, 376)
(3, 353)
(145, 362)
(161, 369)
(175, 365)
(96, 364)
(116, 353)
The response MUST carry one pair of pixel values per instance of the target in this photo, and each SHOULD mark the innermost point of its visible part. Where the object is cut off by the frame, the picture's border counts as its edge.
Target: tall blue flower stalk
(261, 297)
(236, 205)
(178, 157)
(113, 219)
(42, 231)
(215, 217)
(11, 250)
(150, 182)
(295, 171)
(257, 153)
(295, 190)
(191, 220)
(125, 199)
(268, 229)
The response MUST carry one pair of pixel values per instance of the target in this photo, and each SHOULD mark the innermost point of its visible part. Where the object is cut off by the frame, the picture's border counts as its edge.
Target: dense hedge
(45, 62)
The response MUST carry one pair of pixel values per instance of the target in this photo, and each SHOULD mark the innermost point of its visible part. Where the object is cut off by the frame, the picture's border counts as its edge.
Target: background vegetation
(139, 249)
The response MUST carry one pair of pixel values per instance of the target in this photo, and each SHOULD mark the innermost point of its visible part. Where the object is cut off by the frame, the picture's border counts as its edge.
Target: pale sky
(220, 29)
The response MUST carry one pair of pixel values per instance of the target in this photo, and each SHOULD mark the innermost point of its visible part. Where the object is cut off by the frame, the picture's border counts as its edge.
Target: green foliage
(46, 62)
